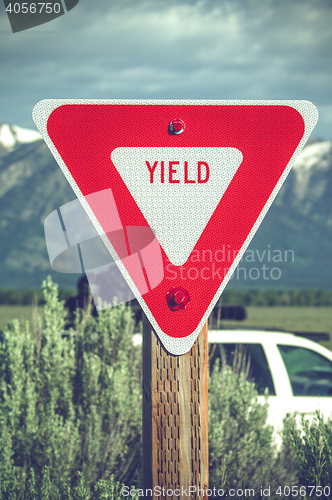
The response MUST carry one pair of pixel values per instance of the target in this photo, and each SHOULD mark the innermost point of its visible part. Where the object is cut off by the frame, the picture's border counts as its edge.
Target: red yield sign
(200, 174)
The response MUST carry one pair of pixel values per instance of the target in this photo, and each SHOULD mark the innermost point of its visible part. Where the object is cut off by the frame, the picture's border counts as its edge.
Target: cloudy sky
(171, 49)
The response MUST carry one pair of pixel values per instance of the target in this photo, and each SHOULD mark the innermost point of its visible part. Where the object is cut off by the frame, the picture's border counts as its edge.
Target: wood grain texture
(175, 415)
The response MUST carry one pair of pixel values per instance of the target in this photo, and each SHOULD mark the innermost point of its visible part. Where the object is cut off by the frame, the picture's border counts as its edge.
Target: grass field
(305, 319)
(8, 313)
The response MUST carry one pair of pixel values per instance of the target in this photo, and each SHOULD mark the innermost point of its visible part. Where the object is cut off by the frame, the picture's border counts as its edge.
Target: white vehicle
(297, 372)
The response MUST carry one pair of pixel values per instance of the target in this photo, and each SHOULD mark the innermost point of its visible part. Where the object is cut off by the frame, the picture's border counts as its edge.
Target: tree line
(29, 297)
(260, 298)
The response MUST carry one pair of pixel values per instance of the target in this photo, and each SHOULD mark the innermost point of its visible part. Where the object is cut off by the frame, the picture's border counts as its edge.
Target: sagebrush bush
(312, 443)
(71, 411)
(71, 404)
(103, 490)
(241, 447)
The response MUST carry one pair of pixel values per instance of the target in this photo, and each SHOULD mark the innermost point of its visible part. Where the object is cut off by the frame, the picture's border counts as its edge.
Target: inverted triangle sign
(203, 192)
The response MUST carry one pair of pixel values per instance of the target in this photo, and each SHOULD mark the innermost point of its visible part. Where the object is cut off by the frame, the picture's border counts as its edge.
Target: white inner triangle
(177, 212)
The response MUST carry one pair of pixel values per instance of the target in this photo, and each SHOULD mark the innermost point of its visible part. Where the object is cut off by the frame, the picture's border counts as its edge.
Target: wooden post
(175, 417)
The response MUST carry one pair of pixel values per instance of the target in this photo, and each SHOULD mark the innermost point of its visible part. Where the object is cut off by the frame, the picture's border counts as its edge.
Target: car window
(309, 372)
(249, 358)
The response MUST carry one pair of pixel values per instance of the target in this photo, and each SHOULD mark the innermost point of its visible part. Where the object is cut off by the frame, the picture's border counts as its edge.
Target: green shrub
(312, 443)
(70, 404)
(242, 452)
(71, 409)
(110, 489)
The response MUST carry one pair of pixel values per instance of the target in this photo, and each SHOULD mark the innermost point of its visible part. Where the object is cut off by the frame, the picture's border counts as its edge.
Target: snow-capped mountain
(12, 135)
(308, 189)
(300, 219)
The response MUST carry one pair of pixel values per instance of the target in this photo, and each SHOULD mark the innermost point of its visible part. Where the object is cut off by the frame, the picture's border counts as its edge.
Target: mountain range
(293, 243)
